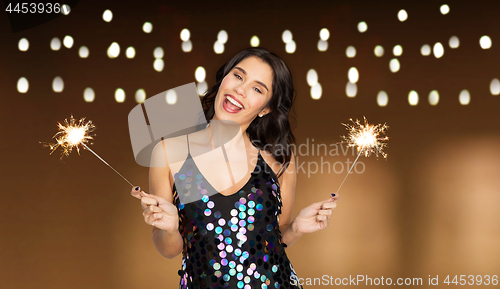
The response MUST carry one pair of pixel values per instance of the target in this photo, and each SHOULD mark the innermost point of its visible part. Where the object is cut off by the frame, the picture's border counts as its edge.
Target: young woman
(237, 237)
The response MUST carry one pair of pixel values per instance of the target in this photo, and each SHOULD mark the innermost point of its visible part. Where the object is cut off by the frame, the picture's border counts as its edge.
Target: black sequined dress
(232, 241)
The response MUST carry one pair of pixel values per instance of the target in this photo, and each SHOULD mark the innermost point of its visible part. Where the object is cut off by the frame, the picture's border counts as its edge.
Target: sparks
(366, 137)
(71, 135)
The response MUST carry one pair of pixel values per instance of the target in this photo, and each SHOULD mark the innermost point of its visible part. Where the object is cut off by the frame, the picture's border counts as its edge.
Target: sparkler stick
(366, 138)
(71, 134)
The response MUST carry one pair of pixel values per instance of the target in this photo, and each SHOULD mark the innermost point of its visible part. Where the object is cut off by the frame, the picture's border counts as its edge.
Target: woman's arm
(310, 219)
(168, 241)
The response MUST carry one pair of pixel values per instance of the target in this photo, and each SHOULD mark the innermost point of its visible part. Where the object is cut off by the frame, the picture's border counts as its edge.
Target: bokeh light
(158, 52)
(55, 44)
(438, 50)
(351, 89)
(130, 52)
(218, 47)
(382, 98)
(65, 9)
(394, 65)
(350, 51)
(485, 42)
(222, 36)
(202, 88)
(402, 15)
(286, 36)
(158, 64)
(113, 50)
(58, 84)
(22, 85)
(379, 51)
(413, 98)
(445, 9)
(464, 97)
(454, 42)
(140, 95)
(290, 46)
(200, 74)
(83, 52)
(316, 91)
(425, 50)
(254, 41)
(23, 44)
(171, 97)
(397, 50)
(147, 27)
(353, 75)
(312, 77)
(185, 34)
(324, 34)
(322, 45)
(362, 27)
(88, 95)
(107, 15)
(119, 95)
(433, 97)
(187, 46)
(495, 86)
(68, 41)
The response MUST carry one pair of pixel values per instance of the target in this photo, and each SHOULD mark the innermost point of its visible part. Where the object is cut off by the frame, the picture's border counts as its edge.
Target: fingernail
(136, 188)
(333, 195)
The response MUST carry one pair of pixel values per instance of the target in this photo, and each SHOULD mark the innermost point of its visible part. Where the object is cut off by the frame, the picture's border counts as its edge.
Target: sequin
(227, 246)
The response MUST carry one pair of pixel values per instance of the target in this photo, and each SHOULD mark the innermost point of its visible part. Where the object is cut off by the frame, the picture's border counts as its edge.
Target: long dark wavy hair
(271, 132)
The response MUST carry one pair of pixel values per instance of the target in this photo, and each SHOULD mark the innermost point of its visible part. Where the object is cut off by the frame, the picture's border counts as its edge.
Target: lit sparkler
(71, 135)
(367, 138)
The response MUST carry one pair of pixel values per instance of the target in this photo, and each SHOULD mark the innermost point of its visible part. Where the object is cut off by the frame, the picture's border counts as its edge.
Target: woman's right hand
(158, 211)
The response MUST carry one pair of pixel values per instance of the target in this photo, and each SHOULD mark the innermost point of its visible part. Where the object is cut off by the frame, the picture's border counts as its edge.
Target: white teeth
(234, 101)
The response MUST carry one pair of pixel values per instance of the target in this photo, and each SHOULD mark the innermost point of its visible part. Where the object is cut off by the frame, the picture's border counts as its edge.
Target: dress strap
(187, 139)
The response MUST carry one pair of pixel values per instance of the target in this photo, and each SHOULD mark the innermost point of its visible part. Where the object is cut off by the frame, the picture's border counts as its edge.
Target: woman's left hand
(316, 216)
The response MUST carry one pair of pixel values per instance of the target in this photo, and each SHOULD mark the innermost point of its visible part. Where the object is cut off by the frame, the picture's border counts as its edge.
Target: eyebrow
(244, 72)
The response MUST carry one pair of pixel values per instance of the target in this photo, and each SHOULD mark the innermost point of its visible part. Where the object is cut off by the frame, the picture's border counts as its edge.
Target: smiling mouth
(233, 101)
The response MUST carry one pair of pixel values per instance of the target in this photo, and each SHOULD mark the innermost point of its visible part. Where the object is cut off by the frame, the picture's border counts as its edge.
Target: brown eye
(237, 76)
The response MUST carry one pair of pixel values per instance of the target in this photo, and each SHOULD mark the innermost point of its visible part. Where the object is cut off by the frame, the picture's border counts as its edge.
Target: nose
(240, 89)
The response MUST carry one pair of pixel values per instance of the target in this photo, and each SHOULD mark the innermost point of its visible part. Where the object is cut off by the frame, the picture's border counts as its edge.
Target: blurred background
(429, 69)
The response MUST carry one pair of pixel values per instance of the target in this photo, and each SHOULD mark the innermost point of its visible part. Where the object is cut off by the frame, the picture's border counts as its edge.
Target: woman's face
(244, 92)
